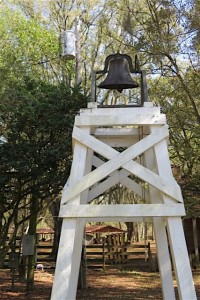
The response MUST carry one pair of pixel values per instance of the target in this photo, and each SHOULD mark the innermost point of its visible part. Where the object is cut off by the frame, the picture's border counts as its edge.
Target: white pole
(78, 66)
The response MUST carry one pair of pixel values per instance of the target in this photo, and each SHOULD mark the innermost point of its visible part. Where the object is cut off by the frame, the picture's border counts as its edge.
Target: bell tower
(141, 131)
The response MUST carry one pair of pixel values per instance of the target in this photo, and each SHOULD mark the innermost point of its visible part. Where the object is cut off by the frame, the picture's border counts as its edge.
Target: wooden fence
(43, 255)
(100, 255)
(97, 255)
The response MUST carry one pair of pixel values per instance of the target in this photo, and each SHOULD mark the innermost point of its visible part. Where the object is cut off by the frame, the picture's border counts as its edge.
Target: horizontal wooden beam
(118, 137)
(117, 132)
(147, 108)
(123, 119)
(120, 219)
(118, 141)
(121, 210)
(146, 115)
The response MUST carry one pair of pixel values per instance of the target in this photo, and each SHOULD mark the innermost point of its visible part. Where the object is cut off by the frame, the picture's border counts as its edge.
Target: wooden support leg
(163, 255)
(68, 260)
(70, 247)
(175, 232)
(180, 259)
(164, 262)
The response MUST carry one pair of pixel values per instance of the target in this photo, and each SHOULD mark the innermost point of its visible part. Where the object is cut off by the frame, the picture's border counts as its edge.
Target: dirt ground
(111, 284)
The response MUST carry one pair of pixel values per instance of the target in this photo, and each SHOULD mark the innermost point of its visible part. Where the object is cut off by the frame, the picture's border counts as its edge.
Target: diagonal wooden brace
(124, 159)
(114, 178)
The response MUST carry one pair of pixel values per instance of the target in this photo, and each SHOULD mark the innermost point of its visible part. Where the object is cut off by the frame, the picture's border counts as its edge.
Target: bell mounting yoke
(117, 56)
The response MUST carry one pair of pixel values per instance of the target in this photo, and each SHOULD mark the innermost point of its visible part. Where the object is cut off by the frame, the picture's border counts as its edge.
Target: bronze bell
(118, 77)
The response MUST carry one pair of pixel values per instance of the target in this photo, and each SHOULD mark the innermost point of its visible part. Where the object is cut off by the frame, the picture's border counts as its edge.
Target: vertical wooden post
(159, 225)
(104, 256)
(175, 231)
(70, 246)
(196, 246)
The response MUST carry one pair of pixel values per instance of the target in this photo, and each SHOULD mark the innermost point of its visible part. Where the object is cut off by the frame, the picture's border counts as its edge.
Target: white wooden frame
(98, 130)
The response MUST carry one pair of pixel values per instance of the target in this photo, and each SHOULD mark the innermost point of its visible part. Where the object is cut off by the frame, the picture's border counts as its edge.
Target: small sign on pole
(28, 245)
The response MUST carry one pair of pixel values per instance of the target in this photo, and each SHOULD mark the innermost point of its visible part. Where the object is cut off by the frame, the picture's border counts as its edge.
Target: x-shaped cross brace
(122, 160)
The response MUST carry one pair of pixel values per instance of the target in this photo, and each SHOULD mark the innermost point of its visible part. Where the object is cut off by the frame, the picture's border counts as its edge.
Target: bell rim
(114, 86)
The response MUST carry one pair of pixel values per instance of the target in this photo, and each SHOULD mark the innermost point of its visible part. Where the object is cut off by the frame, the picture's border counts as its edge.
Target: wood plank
(117, 161)
(120, 219)
(118, 141)
(180, 259)
(116, 132)
(116, 177)
(121, 110)
(120, 119)
(159, 225)
(158, 181)
(121, 210)
(124, 180)
(106, 184)
(127, 182)
(117, 137)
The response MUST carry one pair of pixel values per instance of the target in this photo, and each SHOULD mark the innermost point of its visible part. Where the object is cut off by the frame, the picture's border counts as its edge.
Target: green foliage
(30, 47)
(184, 144)
(37, 125)
(37, 120)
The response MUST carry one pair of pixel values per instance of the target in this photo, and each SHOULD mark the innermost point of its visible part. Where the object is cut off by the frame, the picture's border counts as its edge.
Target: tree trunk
(54, 208)
(32, 231)
(136, 232)
(130, 231)
(5, 224)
